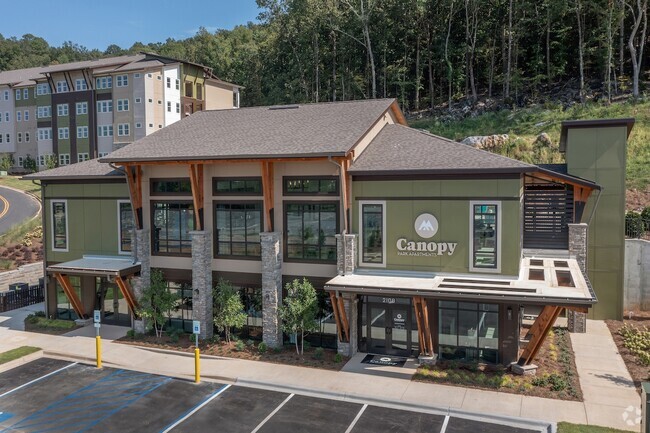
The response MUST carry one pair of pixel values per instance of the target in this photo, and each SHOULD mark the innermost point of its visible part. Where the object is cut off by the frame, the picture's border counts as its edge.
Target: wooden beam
(69, 291)
(538, 333)
(134, 180)
(196, 181)
(427, 329)
(267, 191)
(346, 193)
(125, 288)
(344, 319)
(335, 310)
(418, 320)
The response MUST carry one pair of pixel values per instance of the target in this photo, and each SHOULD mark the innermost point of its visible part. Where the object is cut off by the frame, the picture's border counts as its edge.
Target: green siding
(598, 154)
(25, 102)
(453, 217)
(92, 218)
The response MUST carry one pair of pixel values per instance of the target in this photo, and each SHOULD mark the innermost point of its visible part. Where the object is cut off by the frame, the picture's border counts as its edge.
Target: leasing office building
(422, 245)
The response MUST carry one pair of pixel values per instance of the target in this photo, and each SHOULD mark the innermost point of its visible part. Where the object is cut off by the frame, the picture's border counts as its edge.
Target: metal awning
(543, 281)
(97, 266)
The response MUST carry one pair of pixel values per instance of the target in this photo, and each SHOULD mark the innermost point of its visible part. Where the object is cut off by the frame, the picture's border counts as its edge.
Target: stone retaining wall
(25, 274)
(637, 275)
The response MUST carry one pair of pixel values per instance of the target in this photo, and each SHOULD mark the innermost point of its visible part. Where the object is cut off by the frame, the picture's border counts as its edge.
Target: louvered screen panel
(547, 211)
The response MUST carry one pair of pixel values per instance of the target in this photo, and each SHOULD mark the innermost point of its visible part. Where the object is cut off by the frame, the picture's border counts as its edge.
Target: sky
(98, 24)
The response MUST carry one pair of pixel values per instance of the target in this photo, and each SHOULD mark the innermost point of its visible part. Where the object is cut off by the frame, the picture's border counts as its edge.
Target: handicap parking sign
(196, 327)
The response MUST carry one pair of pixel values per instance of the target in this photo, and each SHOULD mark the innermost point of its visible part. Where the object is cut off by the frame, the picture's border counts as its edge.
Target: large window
(237, 186)
(373, 228)
(172, 223)
(125, 225)
(485, 235)
(64, 309)
(171, 187)
(328, 185)
(59, 225)
(468, 331)
(310, 231)
(180, 316)
(238, 227)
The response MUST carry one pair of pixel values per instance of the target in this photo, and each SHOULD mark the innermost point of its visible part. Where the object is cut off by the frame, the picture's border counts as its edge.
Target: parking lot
(60, 396)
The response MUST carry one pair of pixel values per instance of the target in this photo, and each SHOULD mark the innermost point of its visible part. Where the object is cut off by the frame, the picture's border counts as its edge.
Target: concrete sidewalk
(606, 400)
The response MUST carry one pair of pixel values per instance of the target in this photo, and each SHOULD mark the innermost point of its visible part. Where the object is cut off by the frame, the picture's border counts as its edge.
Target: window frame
(499, 236)
(285, 191)
(65, 131)
(82, 129)
(67, 231)
(216, 255)
(81, 108)
(231, 179)
(62, 110)
(122, 80)
(119, 227)
(152, 225)
(362, 263)
(154, 180)
(285, 234)
(122, 105)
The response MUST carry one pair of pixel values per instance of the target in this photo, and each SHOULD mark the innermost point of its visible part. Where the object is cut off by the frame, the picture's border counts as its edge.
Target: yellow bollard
(98, 346)
(197, 366)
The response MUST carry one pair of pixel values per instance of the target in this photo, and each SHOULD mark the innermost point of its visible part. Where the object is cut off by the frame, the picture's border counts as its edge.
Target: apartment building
(416, 244)
(78, 111)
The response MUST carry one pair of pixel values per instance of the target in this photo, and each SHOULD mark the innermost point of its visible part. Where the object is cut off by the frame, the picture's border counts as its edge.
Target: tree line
(425, 53)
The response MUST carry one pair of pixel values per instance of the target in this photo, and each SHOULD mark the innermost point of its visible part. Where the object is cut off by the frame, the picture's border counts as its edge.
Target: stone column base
(577, 322)
(523, 370)
(139, 326)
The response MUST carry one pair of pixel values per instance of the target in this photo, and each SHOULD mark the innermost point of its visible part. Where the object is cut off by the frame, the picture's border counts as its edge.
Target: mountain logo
(426, 225)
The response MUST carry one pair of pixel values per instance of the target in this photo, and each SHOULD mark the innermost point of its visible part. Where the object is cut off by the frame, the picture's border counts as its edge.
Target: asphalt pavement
(15, 207)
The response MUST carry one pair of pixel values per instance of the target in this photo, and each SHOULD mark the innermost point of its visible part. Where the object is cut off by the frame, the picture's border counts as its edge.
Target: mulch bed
(29, 327)
(250, 351)
(638, 371)
(557, 376)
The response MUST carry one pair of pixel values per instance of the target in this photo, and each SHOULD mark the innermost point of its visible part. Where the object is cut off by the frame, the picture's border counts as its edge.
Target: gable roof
(91, 169)
(398, 149)
(292, 131)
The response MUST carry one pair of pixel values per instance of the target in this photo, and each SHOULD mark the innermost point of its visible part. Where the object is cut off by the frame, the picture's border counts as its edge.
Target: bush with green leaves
(156, 302)
(634, 226)
(29, 163)
(228, 308)
(262, 347)
(240, 346)
(637, 341)
(298, 311)
(318, 353)
(338, 358)
(6, 162)
(51, 162)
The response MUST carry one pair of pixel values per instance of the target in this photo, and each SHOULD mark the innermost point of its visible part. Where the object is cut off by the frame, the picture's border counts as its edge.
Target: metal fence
(14, 299)
(637, 227)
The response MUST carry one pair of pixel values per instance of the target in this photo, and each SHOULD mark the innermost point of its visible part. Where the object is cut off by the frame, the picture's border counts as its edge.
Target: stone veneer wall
(346, 263)
(346, 254)
(202, 281)
(271, 288)
(140, 249)
(24, 274)
(577, 322)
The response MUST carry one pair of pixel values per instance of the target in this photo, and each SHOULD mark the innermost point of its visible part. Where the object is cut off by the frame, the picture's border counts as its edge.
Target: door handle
(389, 330)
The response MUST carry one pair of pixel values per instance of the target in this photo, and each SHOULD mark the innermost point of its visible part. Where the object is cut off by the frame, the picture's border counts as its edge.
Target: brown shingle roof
(259, 132)
(399, 149)
(90, 169)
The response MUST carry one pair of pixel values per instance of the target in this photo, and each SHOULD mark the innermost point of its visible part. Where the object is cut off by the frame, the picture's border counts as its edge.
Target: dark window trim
(214, 225)
(362, 230)
(254, 194)
(285, 234)
(152, 181)
(496, 228)
(311, 194)
(152, 203)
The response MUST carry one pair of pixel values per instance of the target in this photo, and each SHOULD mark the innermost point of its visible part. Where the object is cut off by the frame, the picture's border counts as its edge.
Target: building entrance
(111, 303)
(387, 326)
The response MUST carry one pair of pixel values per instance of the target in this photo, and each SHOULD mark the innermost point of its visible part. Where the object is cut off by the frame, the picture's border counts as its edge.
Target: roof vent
(284, 107)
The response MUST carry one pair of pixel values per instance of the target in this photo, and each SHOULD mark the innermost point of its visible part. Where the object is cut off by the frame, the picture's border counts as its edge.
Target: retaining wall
(637, 275)
(25, 274)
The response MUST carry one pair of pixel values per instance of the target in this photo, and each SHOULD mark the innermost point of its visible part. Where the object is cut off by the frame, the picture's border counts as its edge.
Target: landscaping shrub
(634, 226)
(637, 341)
(240, 346)
(338, 358)
(130, 333)
(318, 353)
(262, 347)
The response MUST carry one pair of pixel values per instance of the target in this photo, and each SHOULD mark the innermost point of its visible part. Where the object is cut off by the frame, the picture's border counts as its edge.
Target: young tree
(50, 161)
(29, 163)
(228, 308)
(636, 41)
(299, 309)
(156, 301)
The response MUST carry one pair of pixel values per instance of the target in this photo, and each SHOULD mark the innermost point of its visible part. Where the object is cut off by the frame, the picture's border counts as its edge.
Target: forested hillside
(426, 53)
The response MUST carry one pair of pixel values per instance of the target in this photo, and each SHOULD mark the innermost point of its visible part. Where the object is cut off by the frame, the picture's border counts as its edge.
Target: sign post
(98, 340)
(196, 330)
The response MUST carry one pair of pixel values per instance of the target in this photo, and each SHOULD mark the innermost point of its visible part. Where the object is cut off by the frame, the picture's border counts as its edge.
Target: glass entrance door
(389, 328)
(112, 304)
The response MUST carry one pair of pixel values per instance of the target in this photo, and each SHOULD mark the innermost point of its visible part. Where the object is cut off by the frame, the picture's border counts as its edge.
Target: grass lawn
(12, 354)
(24, 185)
(566, 427)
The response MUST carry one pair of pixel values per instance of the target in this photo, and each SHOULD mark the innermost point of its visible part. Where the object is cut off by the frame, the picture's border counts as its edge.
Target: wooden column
(267, 190)
(64, 280)
(538, 333)
(340, 317)
(196, 180)
(125, 288)
(424, 329)
(134, 180)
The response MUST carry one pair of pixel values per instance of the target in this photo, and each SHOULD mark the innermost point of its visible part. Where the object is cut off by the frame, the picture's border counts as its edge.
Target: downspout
(344, 231)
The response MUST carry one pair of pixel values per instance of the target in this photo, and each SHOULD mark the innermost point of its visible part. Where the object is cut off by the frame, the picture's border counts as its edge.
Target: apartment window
(43, 89)
(159, 77)
(311, 185)
(169, 107)
(178, 107)
(6, 95)
(18, 94)
(468, 331)
(104, 82)
(123, 129)
(21, 161)
(149, 76)
(172, 223)
(151, 125)
(80, 84)
(64, 159)
(199, 91)
(125, 225)
(138, 125)
(7, 114)
(159, 102)
(1, 137)
(103, 154)
(81, 157)
(238, 227)
(19, 116)
(44, 134)
(178, 84)
(136, 75)
(41, 160)
(26, 137)
(310, 230)
(237, 186)
(105, 130)
(62, 110)
(485, 236)
(61, 86)
(122, 105)
(104, 106)
(64, 133)
(122, 81)
(8, 138)
(59, 225)
(171, 187)
(20, 138)
(26, 115)
(44, 111)
(150, 100)
(189, 91)
(169, 82)
(25, 93)
(138, 100)
(82, 108)
(82, 132)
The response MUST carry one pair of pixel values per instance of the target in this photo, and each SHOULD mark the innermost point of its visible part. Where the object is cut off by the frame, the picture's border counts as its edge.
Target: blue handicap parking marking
(5, 416)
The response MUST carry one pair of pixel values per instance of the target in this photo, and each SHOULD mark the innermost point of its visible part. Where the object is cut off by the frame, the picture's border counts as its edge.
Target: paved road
(59, 396)
(15, 207)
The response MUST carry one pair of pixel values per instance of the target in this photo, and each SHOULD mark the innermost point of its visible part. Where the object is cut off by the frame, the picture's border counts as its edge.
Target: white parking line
(37, 379)
(259, 426)
(444, 424)
(196, 409)
(356, 418)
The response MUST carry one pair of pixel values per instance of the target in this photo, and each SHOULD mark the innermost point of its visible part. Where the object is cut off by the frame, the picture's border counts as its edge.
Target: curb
(20, 361)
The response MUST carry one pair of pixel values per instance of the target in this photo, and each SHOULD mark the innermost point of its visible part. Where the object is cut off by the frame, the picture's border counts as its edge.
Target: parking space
(58, 396)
